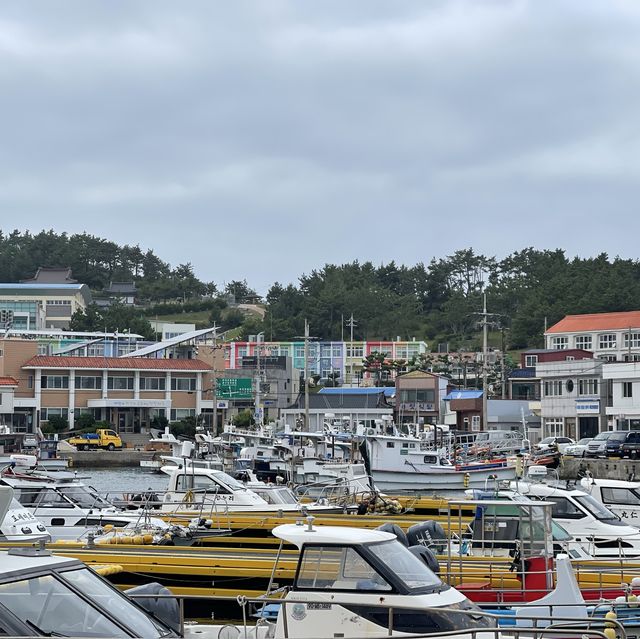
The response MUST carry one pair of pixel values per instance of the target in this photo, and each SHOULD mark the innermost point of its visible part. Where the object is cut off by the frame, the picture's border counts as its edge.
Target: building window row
(182, 413)
(183, 383)
(587, 387)
(153, 383)
(553, 388)
(47, 413)
(54, 381)
(414, 395)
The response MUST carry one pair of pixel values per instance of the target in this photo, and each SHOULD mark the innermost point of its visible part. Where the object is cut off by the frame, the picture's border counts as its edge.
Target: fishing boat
(403, 463)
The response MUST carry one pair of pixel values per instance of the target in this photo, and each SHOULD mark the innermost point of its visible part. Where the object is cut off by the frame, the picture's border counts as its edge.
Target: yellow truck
(103, 438)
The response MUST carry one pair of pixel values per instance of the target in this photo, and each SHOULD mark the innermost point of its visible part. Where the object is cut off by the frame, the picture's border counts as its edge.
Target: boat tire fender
(394, 529)
(427, 557)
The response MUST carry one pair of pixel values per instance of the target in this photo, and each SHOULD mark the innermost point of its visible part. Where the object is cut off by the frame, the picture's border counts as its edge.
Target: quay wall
(105, 458)
(612, 468)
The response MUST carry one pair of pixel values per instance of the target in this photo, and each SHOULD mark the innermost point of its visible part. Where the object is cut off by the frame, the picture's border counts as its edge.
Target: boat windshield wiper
(41, 632)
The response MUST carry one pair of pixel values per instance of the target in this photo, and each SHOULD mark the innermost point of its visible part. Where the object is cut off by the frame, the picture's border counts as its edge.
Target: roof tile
(8, 381)
(121, 363)
(597, 322)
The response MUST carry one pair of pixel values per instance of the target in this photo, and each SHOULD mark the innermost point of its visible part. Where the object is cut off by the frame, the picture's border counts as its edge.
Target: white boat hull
(390, 481)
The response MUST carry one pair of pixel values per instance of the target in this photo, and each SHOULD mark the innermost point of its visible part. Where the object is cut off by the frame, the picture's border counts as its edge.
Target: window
(563, 508)
(414, 395)
(560, 343)
(95, 350)
(30, 381)
(553, 427)
(627, 389)
(325, 351)
(201, 483)
(181, 413)
(298, 352)
(355, 351)
(336, 350)
(55, 608)
(120, 383)
(607, 341)
(631, 340)
(183, 383)
(390, 444)
(153, 383)
(553, 388)
(584, 342)
(625, 496)
(339, 569)
(46, 413)
(54, 381)
(88, 382)
(530, 360)
(587, 387)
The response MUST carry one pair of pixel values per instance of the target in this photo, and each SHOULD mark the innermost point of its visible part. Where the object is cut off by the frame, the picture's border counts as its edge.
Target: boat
(210, 493)
(621, 497)
(403, 463)
(66, 506)
(346, 585)
(601, 532)
(17, 524)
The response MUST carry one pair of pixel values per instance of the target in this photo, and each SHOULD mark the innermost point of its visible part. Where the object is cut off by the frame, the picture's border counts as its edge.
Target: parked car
(597, 446)
(579, 449)
(549, 444)
(631, 446)
(618, 439)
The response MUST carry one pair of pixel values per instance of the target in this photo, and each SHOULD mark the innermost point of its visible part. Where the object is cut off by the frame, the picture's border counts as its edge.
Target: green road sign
(234, 388)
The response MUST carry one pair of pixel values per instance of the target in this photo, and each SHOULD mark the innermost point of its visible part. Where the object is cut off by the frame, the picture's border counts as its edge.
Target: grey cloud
(262, 139)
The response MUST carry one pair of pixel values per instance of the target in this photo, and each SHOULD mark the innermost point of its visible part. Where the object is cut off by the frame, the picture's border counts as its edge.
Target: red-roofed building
(609, 336)
(126, 391)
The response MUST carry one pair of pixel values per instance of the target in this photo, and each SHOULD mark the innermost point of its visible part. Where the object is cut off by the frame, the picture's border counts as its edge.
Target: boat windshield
(401, 562)
(598, 510)
(51, 607)
(229, 481)
(282, 495)
(84, 496)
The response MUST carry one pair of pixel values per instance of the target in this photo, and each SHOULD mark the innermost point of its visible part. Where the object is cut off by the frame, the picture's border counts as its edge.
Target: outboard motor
(429, 534)
(165, 608)
(394, 529)
(427, 556)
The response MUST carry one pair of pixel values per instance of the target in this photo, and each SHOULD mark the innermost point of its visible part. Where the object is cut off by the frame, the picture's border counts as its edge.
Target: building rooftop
(329, 401)
(27, 288)
(463, 394)
(117, 363)
(51, 275)
(8, 381)
(122, 287)
(597, 322)
(389, 391)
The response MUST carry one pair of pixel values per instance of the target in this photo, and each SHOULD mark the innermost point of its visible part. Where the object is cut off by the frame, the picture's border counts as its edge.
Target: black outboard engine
(427, 556)
(166, 608)
(394, 529)
(429, 534)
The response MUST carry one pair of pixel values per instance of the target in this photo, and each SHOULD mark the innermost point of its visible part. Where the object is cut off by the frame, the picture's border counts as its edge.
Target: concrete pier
(106, 458)
(612, 468)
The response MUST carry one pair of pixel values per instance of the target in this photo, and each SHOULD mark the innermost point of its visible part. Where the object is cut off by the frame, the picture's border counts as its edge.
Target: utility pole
(351, 324)
(306, 374)
(258, 381)
(484, 363)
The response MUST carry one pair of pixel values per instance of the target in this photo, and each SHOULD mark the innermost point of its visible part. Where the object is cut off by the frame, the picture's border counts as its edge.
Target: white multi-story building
(624, 381)
(573, 398)
(612, 337)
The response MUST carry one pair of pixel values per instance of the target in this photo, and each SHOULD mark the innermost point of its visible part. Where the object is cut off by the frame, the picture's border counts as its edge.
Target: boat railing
(539, 623)
(343, 492)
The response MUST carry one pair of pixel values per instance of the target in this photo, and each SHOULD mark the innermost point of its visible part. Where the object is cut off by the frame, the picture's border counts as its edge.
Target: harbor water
(117, 481)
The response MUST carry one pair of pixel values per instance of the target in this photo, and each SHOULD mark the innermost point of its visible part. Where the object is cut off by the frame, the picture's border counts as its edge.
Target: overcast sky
(263, 139)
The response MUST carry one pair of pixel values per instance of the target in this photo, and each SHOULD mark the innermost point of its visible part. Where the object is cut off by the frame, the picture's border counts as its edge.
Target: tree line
(438, 301)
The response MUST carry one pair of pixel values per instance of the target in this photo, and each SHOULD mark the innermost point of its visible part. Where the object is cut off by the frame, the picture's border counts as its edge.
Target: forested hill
(436, 301)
